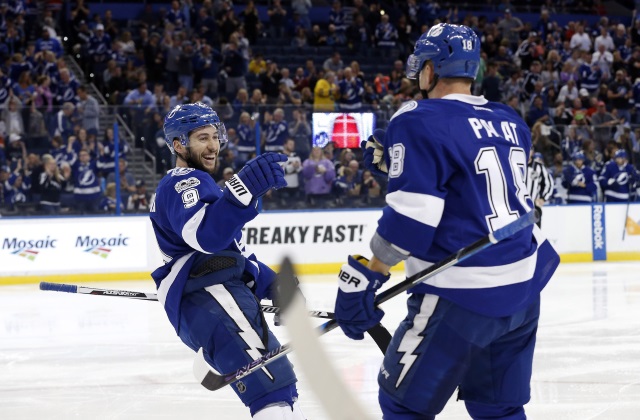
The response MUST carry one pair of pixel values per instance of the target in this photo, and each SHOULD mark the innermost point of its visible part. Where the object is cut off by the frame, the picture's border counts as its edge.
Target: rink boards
(111, 248)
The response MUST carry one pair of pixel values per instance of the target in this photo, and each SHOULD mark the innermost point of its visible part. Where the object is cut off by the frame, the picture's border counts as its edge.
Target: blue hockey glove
(255, 178)
(355, 311)
(373, 153)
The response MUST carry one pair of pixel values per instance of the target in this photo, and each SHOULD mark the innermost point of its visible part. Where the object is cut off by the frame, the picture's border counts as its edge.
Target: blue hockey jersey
(618, 181)
(457, 169)
(191, 218)
(580, 184)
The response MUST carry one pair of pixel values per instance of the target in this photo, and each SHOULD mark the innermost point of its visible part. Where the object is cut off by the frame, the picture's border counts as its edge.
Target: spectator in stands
(227, 174)
(66, 88)
(186, 65)
(318, 173)
(270, 81)
(139, 200)
(127, 181)
(619, 94)
(292, 170)
(491, 84)
(604, 39)
(301, 8)
(13, 121)
(246, 146)
(99, 51)
(510, 28)
(604, 60)
(317, 37)
(234, 65)
(207, 68)
(88, 112)
(277, 16)
(108, 203)
(568, 93)
(538, 112)
(276, 131)
(359, 35)
(51, 184)
(347, 188)
(48, 43)
(300, 132)
(86, 191)
(325, 93)
(351, 92)
(300, 40)
(602, 123)
(17, 187)
(580, 40)
(333, 63)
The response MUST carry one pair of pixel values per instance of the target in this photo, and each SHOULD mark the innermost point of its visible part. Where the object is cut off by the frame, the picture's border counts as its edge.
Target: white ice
(65, 356)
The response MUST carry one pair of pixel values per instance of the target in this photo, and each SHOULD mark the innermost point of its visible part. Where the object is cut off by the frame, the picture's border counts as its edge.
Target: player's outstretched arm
(255, 178)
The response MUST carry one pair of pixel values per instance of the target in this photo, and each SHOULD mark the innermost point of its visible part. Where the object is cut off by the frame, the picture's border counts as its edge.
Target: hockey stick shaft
(379, 333)
(213, 381)
(72, 288)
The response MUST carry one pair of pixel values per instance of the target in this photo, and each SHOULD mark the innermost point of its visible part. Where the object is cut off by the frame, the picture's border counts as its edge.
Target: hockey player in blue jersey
(210, 283)
(456, 166)
(579, 180)
(618, 179)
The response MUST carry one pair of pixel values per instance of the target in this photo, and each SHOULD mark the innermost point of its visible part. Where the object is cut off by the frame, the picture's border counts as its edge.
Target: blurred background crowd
(70, 70)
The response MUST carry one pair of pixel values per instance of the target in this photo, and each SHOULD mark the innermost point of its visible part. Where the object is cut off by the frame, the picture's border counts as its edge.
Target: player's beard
(197, 164)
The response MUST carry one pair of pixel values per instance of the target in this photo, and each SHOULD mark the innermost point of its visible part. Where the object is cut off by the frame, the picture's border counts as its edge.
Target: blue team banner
(598, 233)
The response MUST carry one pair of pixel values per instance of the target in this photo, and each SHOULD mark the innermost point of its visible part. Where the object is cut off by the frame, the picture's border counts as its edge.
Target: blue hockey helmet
(453, 49)
(183, 119)
(620, 153)
(538, 156)
(578, 156)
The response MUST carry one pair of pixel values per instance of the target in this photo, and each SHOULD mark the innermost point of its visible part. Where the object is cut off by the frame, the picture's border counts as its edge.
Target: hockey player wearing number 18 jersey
(210, 282)
(457, 168)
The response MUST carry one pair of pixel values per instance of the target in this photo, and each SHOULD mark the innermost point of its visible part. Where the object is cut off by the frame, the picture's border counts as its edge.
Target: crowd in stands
(577, 85)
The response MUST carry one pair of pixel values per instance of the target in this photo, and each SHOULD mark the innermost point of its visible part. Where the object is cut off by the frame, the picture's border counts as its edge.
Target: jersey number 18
(488, 163)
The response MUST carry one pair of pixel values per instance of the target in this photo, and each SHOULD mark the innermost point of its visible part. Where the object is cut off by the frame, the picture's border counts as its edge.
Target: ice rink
(65, 356)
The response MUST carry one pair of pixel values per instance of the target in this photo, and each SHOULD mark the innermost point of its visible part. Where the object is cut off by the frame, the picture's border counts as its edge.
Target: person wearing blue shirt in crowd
(208, 66)
(351, 92)
(46, 43)
(619, 179)
(246, 147)
(17, 187)
(455, 164)
(210, 283)
(579, 180)
(66, 88)
(276, 131)
(86, 184)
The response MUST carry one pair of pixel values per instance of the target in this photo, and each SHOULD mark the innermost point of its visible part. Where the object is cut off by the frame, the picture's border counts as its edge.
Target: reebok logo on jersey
(239, 190)
(185, 184)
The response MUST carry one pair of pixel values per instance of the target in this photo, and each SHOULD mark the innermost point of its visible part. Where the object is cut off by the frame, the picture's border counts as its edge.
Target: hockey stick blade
(505, 232)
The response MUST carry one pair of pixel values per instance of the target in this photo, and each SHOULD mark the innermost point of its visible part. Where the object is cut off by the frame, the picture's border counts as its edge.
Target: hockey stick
(213, 381)
(71, 288)
(379, 333)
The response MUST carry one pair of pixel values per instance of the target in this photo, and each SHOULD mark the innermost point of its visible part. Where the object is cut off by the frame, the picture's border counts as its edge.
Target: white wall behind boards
(103, 248)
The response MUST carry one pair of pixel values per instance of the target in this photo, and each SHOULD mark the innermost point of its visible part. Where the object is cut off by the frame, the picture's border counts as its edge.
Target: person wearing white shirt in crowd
(604, 39)
(603, 58)
(580, 40)
(568, 92)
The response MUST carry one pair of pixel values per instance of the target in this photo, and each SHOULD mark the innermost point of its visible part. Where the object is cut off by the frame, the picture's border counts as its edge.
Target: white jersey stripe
(424, 208)
(167, 282)
(190, 229)
(480, 277)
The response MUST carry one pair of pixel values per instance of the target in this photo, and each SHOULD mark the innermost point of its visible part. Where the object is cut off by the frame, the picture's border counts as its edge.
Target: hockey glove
(373, 154)
(355, 311)
(255, 178)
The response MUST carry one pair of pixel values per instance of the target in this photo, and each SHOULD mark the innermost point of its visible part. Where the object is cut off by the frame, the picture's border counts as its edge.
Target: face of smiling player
(203, 150)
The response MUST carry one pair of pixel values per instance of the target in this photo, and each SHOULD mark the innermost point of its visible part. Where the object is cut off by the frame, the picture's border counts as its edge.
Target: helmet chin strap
(425, 93)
